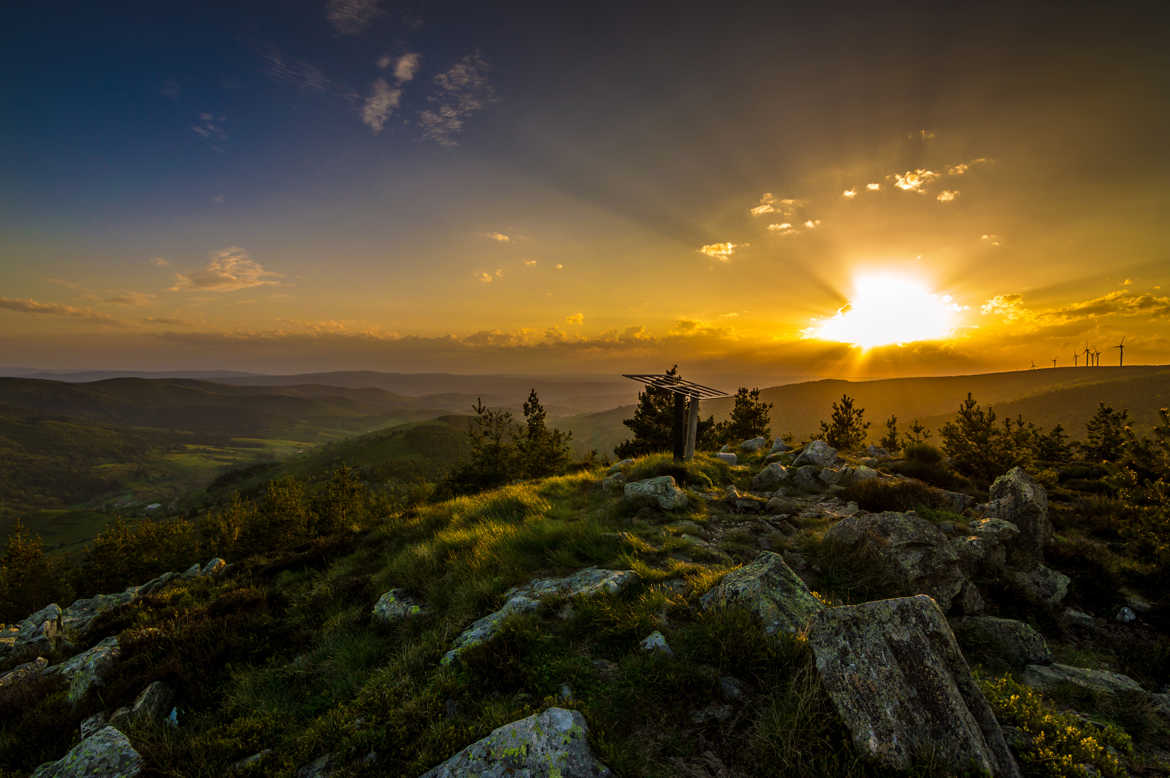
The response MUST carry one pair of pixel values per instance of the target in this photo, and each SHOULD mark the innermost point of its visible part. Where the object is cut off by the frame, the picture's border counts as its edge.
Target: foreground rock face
(904, 690)
(662, 490)
(817, 453)
(1011, 642)
(533, 595)
(552, 744)
(770, 589)
(1017, 498)
(907, 548)
(88, 669)
(106, 753)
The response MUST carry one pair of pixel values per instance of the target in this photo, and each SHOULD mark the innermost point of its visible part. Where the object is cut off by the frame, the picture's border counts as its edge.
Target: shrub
(750, 417)
(846, 428)
(882, 495)
(923, 453)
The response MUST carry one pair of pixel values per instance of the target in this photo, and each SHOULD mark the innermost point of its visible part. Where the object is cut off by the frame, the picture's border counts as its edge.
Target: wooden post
(679, 430)
(692, 428)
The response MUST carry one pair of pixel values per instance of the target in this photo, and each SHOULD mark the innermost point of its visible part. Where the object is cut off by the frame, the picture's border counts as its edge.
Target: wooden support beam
(679, 429)
(692, 429)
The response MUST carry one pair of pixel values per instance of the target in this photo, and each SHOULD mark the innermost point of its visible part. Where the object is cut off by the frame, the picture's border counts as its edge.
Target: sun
(886, 309)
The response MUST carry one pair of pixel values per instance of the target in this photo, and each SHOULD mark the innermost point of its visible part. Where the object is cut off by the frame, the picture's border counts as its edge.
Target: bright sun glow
(888, 309)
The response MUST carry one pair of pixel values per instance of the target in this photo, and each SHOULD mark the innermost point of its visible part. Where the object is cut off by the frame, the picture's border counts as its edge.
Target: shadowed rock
(817, 453)
(661, 490)
(1007, 641)
(770, 478)
(89, 668)
(1049, 678)
(770, 589)
(106, 753)
(552, 744)
(902, 687)
(753, 444)
(394, 606)
(24, 672)
(1017, 498)
(151, 706)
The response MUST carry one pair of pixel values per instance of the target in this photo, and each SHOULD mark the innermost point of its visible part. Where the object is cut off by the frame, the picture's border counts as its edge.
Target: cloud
(960, 168)
(384, 61)
(913, 180)
(529, 262)
(721, 252)
(210, 126)
(406, 67)
(1009, 307)
(873, 187)
(1119, 303)
(130, 298)
(786, 207)
(351, 17)
(160, 262)
(56, 309)
(784, 228)
(559, 266)
(460, 91)
(228, 270)
(304, 76)
(849, 194)
(947, 195)
(487, 278)
(812, 224)
(383, 99)
(498, 237)
(990, 238)
(926, 135)
(576, 319)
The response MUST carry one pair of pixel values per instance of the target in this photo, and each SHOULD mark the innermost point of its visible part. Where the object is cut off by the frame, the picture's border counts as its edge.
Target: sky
(770, 191)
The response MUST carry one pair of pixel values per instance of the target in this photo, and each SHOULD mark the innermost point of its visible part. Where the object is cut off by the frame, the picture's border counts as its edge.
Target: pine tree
(846, 428)
(750, 417)
(918, 433)
(653, 422)
(27, 580)
(1108, 434)
(890, 440)
(542, 451)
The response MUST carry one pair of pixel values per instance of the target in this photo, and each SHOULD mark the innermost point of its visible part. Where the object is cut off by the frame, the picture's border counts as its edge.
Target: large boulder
(817, 453)
(661, 490)
(534, 595)
(905, 548)
(806, 478)
(1040, 586)
(901, 685)
(40, 631)
(1017, 498)
(1049, 678)
(24, 672)
(552, 744)
(78, 618)
(105, 754)
(770, 478)
(770, 589)
(150, 707)
(779, 446)
(1003, 641)
(727, 457)
(394, 606)
(88, 669)
(753, 444)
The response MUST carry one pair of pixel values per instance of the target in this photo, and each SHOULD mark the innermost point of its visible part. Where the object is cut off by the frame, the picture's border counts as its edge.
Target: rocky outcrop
(817, 453)
(88, 669)
(394, 606)
(662, 491)
(770, 589)
(552, 744)
(806, 479)
(1017, 498)
(105, 754)
(534, 595)
(77, 620)
(22, 673)
(901, 685)
(905, 548)
(753, 444)
(771, 478)
(727, 457)
(655, 642)
(151, 706)
(1048, 678)
(1040, 585)
(1002, 641)
(779, 447)
(39, 631)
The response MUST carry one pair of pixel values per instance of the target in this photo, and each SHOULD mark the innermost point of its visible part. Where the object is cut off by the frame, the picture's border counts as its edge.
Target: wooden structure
(686, 407)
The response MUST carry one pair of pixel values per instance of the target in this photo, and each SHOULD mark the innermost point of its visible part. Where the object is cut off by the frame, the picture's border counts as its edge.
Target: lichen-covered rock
(155, 585)
(655, 642)
(905, 548)
(105, 754)
(39, 631)
(770, 478)
(1051, 677)
(901, 685)
(727, 456)
(770, 589)
(806, 478)
(89, 668)
(194, 571)
(394, 606)
(24, 672)
(984, 551)
(817, 453)
(1016, 497)
(321, 767)
(92, 724)
(1005, 641)
(151, 706)
(77, 619)
(552, 744)
(661, 490)
(214, 566)
(779, 446)
(533, 596)
(1041, 585)
(753, 444)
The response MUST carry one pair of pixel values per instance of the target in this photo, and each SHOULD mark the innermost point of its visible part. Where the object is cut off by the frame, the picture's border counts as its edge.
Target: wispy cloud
(406, 67)
(721, 252)
(382, 101)
(498, 237)
(129, 298)
(576, 319)
(160, 262)
(991, 239)
(873, 187)
(171, 89)
(849, 194)
(305, 76)
(210, 126)
(960, 168)
(913, 180)
(228, 270)
(217, 199)
(56, 309)
(487, 278)
(947, 195)
(786, 207)
(529, 263)
(351, 17)
(460, 91)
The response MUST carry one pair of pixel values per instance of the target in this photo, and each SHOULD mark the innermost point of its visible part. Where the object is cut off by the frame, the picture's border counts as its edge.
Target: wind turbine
(1054, 361)
(1033, 364)
(1076, 356)
(1096, 357)
(1088, 353)
(1121, 352)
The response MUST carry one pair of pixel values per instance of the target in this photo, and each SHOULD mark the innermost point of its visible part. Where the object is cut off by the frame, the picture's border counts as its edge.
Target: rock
(552, 744)
(39, 631)
(394, 606)
(661, 490)
(1016, 497)
(806, 479)
(614, 484)
(906, 548)
(656, 642)
(24, 672)
(77, 619)
(770, 589)
(93, 724)
(1078, 619)
(1048, 678)
(1010, 642)
(817, 453)
(902, 687)
(713, 714)
(321, 767)
(105, 754)
(248, 761)
(1040, 585)
(956, 502)
(150, 707)
(214, 567)
(155, 585)
(531, 597)
(753, 444)
(1125, 615)
(88, 669)
(984, 551)
(192, 572)
(728, 457)
(779, 446)
(770, 478)
(877, 452)
(617, 467)
(783, 505)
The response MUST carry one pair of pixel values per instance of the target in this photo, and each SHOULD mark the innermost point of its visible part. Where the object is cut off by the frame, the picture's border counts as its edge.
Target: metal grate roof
(676, 385)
